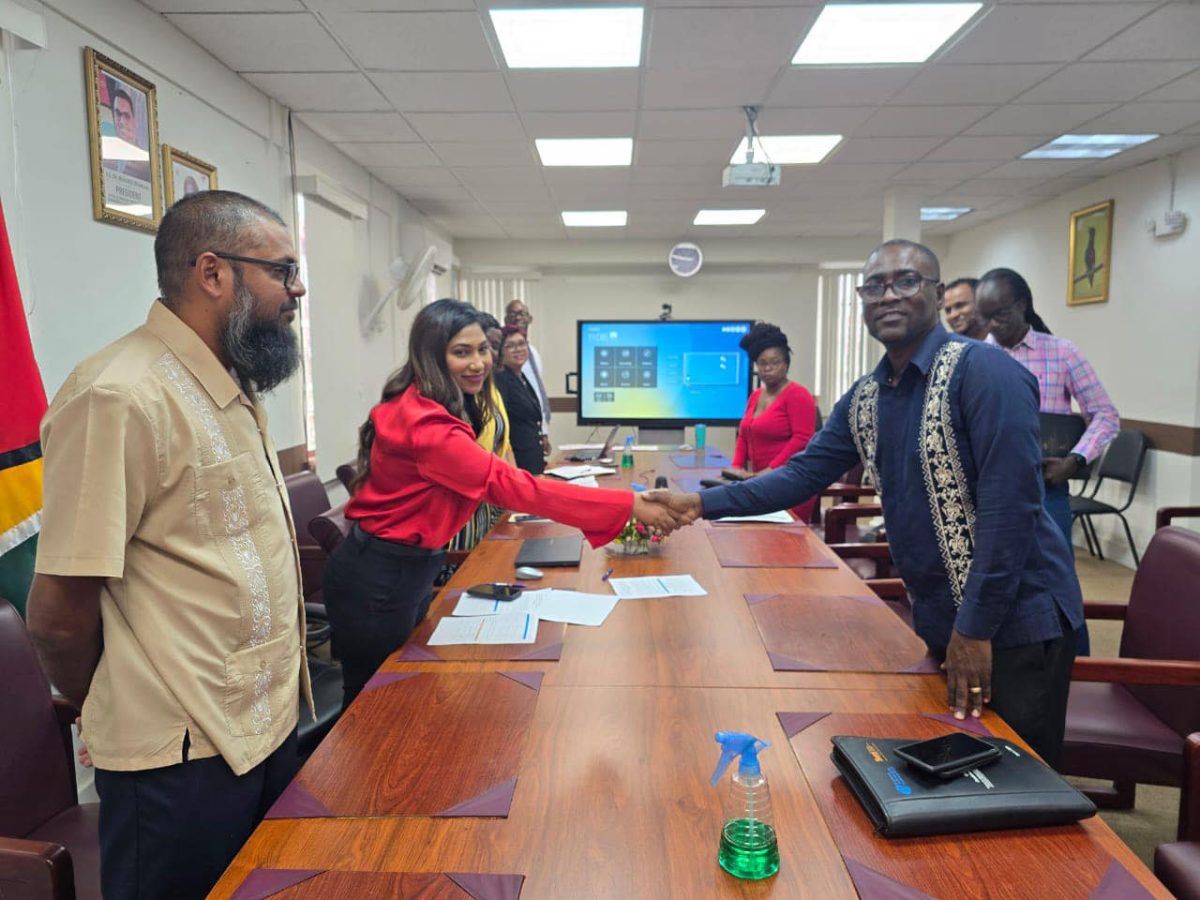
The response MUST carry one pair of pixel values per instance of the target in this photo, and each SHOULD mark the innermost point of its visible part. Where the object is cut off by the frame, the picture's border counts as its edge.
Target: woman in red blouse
(421, 477)
(781, 416)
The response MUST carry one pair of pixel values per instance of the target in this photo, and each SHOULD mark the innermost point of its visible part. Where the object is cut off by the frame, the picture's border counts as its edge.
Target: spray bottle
(627, 454)
(749, 848)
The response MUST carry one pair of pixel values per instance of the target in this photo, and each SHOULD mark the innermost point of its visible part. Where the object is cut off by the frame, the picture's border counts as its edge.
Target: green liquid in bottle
(748, 849)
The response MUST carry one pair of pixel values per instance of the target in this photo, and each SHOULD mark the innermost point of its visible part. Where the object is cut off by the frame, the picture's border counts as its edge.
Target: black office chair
(1122, 462)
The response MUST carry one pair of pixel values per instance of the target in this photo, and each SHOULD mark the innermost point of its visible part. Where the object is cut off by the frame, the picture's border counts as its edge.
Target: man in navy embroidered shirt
(949, 430)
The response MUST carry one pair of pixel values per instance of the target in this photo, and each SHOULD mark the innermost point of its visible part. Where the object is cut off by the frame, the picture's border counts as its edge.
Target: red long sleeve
(428, 476)
(741, 449)
(801, 412)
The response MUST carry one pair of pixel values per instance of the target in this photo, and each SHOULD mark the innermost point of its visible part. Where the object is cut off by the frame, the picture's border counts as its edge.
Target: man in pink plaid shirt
(1004, 300)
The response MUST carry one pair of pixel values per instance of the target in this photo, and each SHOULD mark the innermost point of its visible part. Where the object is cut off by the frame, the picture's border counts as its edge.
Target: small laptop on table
(541, 553)
(603, 453)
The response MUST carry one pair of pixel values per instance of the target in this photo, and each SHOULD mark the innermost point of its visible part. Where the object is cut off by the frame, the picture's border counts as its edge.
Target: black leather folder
(1016, 791)
(1060, 433)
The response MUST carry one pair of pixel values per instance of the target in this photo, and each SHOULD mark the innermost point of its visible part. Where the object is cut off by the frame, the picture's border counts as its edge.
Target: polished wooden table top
(613, 796)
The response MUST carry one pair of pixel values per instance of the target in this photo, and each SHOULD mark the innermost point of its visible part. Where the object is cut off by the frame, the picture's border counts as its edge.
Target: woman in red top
(781, 416)
(421, 477)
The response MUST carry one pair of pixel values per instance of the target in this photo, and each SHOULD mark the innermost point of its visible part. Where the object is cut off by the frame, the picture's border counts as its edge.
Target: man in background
(961, 314)
(518, 314)
(167, 600)
(125, 121)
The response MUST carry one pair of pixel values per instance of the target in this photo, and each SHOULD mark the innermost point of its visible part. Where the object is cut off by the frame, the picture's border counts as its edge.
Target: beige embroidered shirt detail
(162, 479)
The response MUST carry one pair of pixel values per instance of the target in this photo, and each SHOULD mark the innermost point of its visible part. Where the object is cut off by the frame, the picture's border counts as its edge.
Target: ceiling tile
(478, 176)
(706, 88)
(840, 87)
(510, 193)
(690, 124)
(440, 193)
(1164, 146)
(837, 171)
(579, 125)
(944, 83)
(999, 149)
(1103, 82)
(1183, 89)
(390, 5)
(418, 41)
(588, 176)
(266, 42)
(321, 92)
(694, 175)
(1000, 187)
(342, 127)
(414, 176)
(467, 126)
(1167, 33)
(1040, 32)
(484, 153)
(444, 91)
(724, 38)
(216, 6)
(1142, 117)
(563, 90)
(387, 155)
(813, 120)
(584, 197)
(883, 150)
(686, 153)
(1053, 119)
(1036, 168)
(921, 121)
(944, 171)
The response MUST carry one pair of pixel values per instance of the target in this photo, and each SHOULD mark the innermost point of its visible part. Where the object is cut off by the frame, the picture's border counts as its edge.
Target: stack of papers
(782, 516)
(551, 604)
(572, 472)
(509, 628)
(655, 586)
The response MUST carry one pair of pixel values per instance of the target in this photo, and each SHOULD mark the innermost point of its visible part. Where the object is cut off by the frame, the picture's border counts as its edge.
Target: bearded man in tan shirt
(167, 598)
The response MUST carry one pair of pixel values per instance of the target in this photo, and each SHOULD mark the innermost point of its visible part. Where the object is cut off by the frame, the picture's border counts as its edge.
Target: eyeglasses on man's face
(286, 272)
(904, 285)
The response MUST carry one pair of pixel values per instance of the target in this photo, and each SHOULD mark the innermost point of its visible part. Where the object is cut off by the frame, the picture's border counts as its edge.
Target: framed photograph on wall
(123, 140)
(183, 174)
(1090, 263)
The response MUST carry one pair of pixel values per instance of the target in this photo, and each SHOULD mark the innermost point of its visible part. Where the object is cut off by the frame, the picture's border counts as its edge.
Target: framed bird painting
(1090, 264)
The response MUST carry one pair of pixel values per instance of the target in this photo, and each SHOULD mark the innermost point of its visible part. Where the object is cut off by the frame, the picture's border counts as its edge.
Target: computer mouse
(529, 572)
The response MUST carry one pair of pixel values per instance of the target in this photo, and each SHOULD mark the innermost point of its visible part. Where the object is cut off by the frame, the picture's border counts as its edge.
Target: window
(844, 350)
(491, 294)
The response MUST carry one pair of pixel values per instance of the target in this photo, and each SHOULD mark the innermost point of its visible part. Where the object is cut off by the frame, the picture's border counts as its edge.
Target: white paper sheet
(551, 604)
(655, 586)
(580, 446)
(781, 516)
(508, 628)
(572, 472)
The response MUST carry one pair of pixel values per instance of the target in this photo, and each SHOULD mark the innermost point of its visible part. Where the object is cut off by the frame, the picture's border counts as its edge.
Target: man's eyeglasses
(287, 271)
(905, 285)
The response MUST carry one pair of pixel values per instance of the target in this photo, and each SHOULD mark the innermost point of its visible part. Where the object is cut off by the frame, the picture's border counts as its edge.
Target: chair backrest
(1123, 460)
(346, 473)
(1163, 621)
(330, 528)
(308, 498)
(36, 778)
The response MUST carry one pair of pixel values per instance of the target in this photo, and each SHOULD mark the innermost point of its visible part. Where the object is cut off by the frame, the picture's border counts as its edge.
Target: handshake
(665, 511)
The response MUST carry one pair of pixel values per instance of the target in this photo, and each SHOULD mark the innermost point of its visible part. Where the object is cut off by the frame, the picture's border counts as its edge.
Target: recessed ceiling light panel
(575, 38)
(943, 213)
(585, 151)
(788, 149)
(865, 33)
(595, 218)
(1088, 146)
(728, 216)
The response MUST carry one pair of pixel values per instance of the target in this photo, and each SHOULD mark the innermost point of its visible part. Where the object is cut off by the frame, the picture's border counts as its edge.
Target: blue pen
(525, 633)
(605, 576)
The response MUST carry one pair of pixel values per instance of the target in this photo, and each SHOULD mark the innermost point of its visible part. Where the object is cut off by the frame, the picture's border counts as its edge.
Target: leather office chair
(1177, 865)
(346, 473)
(49, 843)
(308, 498)
(1128, 718)
(1122, 462)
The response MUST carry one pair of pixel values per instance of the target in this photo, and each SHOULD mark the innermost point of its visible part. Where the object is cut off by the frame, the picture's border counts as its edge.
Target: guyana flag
(22, 404)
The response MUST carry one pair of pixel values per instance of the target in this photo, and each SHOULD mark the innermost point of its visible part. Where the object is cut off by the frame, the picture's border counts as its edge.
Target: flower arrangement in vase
(635, 539)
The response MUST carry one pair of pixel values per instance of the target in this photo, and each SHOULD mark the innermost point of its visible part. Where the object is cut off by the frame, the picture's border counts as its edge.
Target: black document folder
(1060, 433)
(1016, 791)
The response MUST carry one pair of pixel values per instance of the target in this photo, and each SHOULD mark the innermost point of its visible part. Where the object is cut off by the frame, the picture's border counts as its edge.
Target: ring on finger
(975, 690)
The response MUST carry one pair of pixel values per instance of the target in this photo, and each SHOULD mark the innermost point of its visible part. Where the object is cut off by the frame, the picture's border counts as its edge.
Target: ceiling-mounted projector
(751, 174)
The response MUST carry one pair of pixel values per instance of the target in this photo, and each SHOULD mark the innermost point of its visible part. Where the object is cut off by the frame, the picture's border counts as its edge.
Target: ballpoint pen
(605, 576)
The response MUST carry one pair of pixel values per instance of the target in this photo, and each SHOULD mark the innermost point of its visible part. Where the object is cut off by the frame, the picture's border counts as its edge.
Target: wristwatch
(1080, 461)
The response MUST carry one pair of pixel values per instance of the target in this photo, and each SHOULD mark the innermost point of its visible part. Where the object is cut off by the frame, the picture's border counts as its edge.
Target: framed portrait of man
(123, 141)
(184, 174)
(1090, 264)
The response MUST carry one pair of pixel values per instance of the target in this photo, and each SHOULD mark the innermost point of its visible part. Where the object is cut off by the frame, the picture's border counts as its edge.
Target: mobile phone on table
(949, 755)
(712, 482)
(496, 590)
(732, 475)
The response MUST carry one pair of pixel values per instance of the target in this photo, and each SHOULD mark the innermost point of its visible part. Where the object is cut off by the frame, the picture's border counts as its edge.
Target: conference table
(578, 766)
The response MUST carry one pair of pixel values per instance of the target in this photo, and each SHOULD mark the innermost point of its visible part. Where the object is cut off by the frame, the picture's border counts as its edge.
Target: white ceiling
(416, 91)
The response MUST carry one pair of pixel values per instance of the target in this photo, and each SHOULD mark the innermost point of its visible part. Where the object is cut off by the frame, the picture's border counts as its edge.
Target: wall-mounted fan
(409, 281)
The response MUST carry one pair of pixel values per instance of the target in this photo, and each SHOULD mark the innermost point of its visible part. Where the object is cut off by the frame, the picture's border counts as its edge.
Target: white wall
(85, 282)
(1145, 341)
